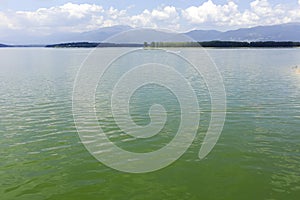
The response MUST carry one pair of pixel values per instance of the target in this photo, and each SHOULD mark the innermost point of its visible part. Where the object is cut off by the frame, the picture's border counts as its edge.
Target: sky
(48, 16)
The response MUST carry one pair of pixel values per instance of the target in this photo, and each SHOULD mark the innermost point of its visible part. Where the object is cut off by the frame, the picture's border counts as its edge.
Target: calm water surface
(256, 157)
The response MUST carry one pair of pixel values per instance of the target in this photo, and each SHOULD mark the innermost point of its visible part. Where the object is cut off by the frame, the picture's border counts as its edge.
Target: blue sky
(119, 4)
(45, 16)
(139, 5)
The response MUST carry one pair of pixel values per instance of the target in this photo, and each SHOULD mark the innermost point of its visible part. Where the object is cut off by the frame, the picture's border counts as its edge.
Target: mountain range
(282, 32)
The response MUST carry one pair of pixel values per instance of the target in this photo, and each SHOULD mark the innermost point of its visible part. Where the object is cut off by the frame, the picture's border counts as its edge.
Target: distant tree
(145, 44)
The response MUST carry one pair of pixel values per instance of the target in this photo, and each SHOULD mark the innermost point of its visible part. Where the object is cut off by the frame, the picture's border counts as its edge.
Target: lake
(256, 157)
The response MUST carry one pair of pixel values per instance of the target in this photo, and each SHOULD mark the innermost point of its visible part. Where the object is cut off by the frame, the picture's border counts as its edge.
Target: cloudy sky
(48, 16)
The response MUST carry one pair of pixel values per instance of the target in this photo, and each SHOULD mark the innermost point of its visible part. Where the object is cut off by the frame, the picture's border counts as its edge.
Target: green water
(256, 157)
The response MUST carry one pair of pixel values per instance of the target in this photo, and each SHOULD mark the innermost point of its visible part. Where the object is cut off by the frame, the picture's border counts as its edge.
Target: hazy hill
(283, 32)
(4, 45)
(21, 38)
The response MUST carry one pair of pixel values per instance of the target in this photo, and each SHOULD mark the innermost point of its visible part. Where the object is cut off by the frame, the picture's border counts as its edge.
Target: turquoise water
(256, 157)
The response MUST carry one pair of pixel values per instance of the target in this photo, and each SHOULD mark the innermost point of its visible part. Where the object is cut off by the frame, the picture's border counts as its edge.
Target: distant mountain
(148, 35)
(283, 32)
(204, 35)
(89, 36)
(21, 38)
(4, 45)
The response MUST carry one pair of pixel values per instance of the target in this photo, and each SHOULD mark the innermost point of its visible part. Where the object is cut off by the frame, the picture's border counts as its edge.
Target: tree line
(224, 44)
(91, 45)
(216, 44)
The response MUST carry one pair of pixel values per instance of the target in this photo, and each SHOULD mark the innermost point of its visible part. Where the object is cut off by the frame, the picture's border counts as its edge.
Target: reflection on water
(257, 156)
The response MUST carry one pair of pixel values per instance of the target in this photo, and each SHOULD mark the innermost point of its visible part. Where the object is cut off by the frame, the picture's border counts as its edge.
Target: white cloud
(166, 17)
(5, 22)
(269, 14)
(83, 17)
(261, 7)
(210, 12)
(115, 13)
(168, 12)
(261, 12)
(142, 20)
(68, 17)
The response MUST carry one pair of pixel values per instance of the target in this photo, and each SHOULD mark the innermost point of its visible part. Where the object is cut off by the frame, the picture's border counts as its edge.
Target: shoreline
(154, 45)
